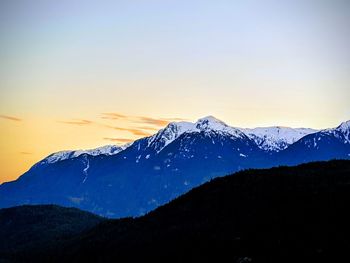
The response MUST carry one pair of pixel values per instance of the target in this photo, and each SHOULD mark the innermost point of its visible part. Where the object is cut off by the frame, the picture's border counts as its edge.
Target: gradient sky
(81, 74)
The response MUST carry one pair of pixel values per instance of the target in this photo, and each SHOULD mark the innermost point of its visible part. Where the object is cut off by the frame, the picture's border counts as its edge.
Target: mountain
(206, 125)
(154, 170)
(276, 138)
(25, 229)
(64, 155)
(323, 145)
(283, 214)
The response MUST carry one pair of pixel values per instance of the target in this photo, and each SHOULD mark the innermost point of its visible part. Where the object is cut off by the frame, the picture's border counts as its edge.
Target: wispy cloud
(153, 121)
(132, 130)
(113, 116)
(118, 140)
(147, 128)
(77, 122)
(11, 118)
(26, 153)
(158, 122)
(139, 132)
(139, 119)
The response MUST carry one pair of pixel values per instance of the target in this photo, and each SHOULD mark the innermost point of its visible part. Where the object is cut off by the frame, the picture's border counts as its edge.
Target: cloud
(153, 121)
(139, 119)
(113, 116)
(119, 140)
(147, 128)
(134, 131)
(146, 125)
(139, 132)
(159, 122)
(11, 118)
(77, 122)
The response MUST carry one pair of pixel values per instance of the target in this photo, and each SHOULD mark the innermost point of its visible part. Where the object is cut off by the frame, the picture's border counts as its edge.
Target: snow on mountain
(267, 138)
(211, 124)
(207, 125)
(276, 138)
(63, 155)
(157, 141)
(170, 133)
(342, 132)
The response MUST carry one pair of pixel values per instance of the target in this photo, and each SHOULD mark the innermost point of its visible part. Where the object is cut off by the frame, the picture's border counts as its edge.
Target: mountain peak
(344, 126)
(206, 124)
(210, 118)
(343, 131)
(165, 136)
(181, 125)
(210, 122)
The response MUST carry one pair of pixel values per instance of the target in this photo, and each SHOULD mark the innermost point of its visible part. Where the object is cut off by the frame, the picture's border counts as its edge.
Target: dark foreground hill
(29, 229)
(285, 214)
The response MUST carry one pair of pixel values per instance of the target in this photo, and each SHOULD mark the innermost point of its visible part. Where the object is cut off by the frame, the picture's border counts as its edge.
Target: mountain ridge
(174, 129)
(154, 170)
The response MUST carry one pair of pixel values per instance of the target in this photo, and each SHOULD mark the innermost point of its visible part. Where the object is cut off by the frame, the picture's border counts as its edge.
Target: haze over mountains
(136, 178)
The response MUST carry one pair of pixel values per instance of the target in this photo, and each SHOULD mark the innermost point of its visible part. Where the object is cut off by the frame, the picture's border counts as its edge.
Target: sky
(82, 74)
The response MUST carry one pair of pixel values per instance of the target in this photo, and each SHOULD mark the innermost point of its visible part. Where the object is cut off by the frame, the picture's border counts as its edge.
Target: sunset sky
(82, 74)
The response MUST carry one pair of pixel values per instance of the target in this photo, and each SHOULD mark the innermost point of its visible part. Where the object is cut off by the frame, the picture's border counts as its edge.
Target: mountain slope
(156, 169)
(323, 145)
(27, 228)
(148, 173)
(276, 213)
(64, 155)
(276, 138)
(284, 214)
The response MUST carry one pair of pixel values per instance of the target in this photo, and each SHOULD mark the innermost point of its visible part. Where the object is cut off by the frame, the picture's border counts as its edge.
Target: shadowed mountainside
(31, 228)
(251, 216)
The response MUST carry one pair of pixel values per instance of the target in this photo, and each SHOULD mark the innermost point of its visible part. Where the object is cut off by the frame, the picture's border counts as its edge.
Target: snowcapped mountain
(267, 138)
(170, 133)
(210, 124)
(276, 138)
(136, 178)
(326, 144)
(339, 136)
(342, 132)
(173, 130)
(63, 155)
